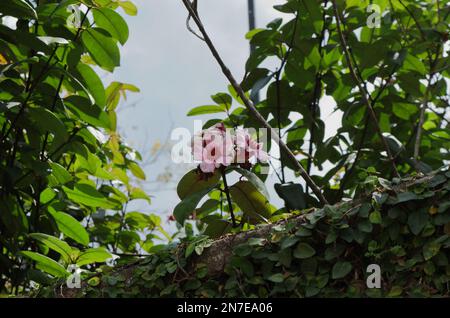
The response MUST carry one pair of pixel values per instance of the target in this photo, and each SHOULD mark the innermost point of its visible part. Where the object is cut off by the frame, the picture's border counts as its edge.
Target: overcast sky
(176, 72)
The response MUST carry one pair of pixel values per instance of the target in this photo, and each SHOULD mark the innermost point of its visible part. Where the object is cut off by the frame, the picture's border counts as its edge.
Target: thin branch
(227, 193)
(316, 95)
(249, 105)
(421, 120)
(361, 88)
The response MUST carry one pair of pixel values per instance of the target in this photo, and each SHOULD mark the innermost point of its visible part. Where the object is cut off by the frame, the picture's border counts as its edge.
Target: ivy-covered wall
(403, 227)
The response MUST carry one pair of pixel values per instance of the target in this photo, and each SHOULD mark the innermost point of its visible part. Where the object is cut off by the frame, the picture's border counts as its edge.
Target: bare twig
(249, 105)
(420, 124)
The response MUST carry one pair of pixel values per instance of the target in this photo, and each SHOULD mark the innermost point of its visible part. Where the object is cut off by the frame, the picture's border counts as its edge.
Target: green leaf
(17, 8)
(217, 227)
(112, 22)
(84, 110)
(136, 170)
(70, 227)
(47, 121)
(292, 194)
(404, 110)
(93, 83)
(138, 193)
(206, 109)
(431, 249)
(242, 250)
(101, 48)
(93, 255)
(188, 204)
(49, 40)
(375, 217)
(412, 63)
(276, 278)
(46, 264)
(223, 100)
(128, 7)
(47, 195)
(341, 269)
(88, 195)
(55, 244)
(193, 181)
(304, 250)
(259, 85)
(252, 203)
(60, 173)
(253, 178)
(406, 196)
(417, 221)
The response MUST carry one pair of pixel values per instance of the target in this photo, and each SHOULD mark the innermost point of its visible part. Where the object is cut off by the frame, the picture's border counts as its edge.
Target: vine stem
(249, 105)
(227, 193)
(359, 83)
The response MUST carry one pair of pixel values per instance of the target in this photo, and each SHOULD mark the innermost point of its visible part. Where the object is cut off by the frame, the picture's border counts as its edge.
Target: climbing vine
(402, 226)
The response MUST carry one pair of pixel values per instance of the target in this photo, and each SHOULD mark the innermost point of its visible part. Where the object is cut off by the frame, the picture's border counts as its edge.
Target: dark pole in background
(251, 18)
(251, 26)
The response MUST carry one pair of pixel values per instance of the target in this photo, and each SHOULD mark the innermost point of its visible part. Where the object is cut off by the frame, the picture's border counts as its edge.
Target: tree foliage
(65, 174)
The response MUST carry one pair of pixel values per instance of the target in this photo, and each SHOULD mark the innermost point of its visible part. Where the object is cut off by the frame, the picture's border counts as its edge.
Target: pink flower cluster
(217, 146)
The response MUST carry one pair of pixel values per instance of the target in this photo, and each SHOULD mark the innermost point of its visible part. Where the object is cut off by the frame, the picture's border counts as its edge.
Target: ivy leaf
(430, 249)
(341, 269)
(304, 250)
(417, 221)
(276, 278)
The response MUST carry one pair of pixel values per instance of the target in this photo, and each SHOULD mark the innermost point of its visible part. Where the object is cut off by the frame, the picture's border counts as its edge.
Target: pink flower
(216, 146)
(213, 147)
(249, 149)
